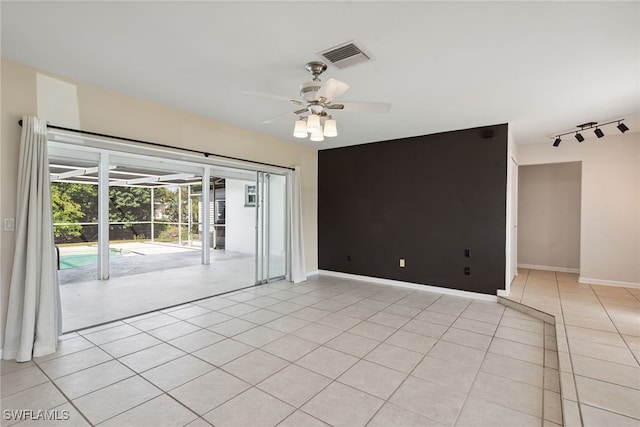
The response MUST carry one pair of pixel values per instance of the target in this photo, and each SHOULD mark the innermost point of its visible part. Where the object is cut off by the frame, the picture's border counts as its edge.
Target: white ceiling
(542, 67)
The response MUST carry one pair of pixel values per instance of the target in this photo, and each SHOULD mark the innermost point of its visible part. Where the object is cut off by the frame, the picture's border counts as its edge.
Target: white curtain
(298, 271)
(34, 316)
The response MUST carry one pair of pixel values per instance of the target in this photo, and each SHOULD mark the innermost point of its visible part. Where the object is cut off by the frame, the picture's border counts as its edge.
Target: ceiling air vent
(346, 55)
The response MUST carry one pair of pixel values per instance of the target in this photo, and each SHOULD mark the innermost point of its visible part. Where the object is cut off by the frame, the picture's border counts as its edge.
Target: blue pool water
(79, 260)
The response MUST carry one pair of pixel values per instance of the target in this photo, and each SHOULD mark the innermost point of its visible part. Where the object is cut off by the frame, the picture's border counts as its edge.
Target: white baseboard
(437, 289)
(549, 268)
(588, 281)
(313, 273)
(503, 293)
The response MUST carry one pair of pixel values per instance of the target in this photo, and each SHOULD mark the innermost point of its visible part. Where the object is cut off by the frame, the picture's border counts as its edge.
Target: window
(250, 196)
(220, 212)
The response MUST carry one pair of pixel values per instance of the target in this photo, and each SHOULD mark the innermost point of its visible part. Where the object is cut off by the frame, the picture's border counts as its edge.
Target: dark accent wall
(425, 199)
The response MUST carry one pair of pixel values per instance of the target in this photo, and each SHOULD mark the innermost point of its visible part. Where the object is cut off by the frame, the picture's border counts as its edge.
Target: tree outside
(129, 212)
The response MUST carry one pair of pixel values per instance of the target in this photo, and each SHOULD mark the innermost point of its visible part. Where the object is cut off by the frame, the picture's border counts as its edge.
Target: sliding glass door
(271, 220)
(186, 213)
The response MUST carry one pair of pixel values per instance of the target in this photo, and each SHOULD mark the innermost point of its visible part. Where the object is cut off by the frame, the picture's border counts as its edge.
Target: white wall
(26, 91)
(240, 234)
(511, 235)
(610, 207)
(549, 216)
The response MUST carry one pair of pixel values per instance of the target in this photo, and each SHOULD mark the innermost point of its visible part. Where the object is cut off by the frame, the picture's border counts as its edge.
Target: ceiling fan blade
(271, 96)
(273, 119)
(332, 89)
(361, 107)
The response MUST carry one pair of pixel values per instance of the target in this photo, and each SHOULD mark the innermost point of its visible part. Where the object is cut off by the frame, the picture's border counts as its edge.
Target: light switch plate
(9, 224)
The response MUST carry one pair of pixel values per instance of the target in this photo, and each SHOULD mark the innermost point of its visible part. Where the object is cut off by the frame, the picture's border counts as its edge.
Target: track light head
(622, 127)
(579, 137)
(598, 132)
(557, 142)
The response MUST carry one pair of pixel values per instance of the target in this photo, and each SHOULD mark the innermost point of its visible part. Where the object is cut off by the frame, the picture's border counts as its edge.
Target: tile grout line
(479, 370)
(363, 357)
(544, 360)
(294, 363)
(562, 417)
(411, 371)
(614, 324)
(70, 401)
(562, 404)
(274, 373)
(598, 299)
(457, 418)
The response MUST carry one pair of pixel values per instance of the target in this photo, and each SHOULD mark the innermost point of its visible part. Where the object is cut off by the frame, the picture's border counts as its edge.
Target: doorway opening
(549, 216)
(137, 233)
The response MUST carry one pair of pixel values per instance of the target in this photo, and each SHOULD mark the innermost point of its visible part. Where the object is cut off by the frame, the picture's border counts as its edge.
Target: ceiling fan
(317, 103)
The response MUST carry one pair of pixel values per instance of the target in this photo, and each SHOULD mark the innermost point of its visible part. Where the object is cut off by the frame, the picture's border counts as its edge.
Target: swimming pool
(78, 260)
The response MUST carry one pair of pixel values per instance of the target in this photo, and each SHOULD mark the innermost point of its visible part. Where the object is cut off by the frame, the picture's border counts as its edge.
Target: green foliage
(170, 234)
(72, 202)
(166, 199)
(129, 204)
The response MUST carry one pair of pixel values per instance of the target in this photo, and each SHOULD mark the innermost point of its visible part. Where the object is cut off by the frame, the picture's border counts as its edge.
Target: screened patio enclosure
(151, 212)
(130, 215)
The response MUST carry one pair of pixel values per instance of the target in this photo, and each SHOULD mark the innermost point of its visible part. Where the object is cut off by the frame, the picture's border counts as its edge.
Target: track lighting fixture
(590, 125)
(622, 127)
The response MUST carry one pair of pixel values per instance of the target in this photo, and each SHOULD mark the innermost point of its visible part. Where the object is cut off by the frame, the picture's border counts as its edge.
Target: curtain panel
(296, 239)
(34, 315)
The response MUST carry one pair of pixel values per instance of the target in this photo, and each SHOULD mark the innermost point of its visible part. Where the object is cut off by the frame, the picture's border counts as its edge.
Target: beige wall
(610, 209)
(26, 91)
(549, 215)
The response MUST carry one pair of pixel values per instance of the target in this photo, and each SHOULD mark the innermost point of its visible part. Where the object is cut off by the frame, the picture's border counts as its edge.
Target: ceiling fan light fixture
(330, 128)
(313, 124)
(300, 129)
(317, 137)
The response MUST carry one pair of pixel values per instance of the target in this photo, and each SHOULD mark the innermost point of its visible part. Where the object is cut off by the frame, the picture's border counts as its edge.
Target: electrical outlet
(348, 257)
(402, 263)
(9, 224)
(467, 253)
(467, 271)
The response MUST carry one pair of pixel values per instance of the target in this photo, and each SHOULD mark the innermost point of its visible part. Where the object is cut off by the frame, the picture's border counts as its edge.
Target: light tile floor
(327, 352)
(598, 343)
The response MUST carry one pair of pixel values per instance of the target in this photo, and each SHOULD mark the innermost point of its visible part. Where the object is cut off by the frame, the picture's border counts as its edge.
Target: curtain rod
(156, 144)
